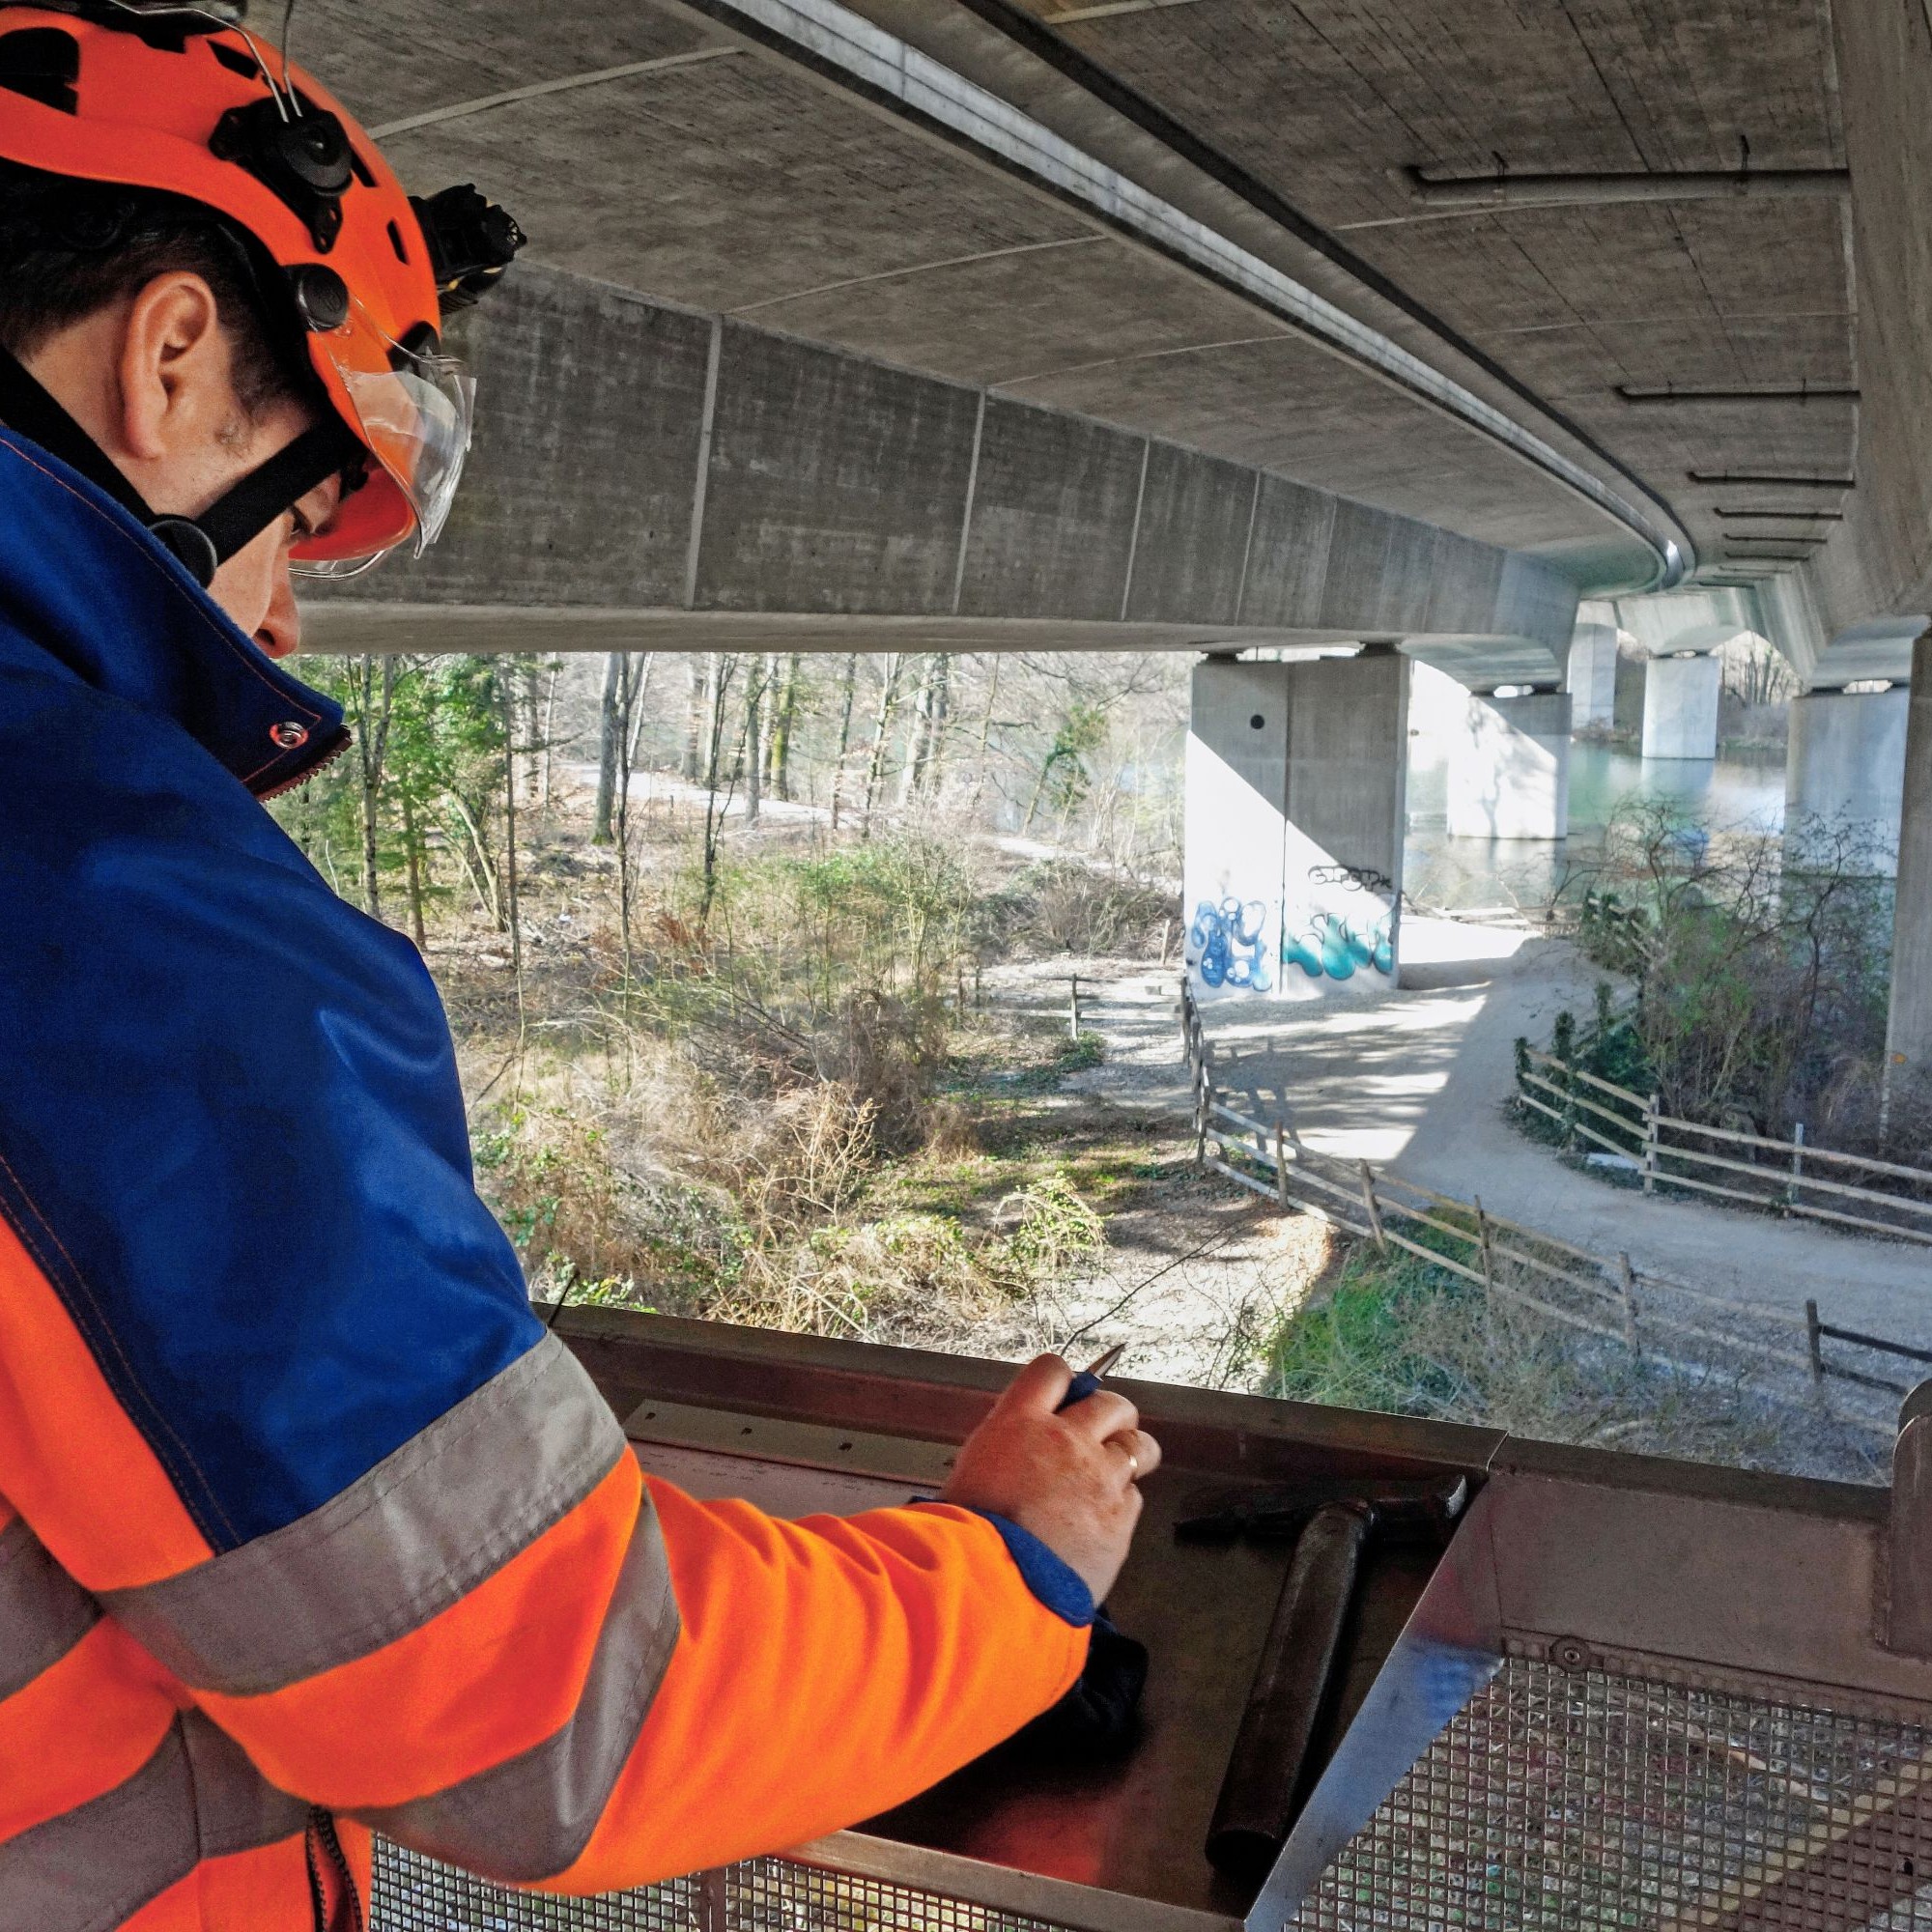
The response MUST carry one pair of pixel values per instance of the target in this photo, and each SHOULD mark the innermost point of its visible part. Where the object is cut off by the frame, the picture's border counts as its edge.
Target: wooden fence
(1598, 1295)
(1763, 1171)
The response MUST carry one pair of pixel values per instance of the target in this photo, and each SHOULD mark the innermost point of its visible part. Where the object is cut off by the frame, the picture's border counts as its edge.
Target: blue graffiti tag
(1229, 949)
(1331, 948)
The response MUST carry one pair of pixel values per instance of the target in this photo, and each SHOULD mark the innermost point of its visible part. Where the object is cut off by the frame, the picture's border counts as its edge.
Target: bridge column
(1295, 807)
(1680, 706)
(1592, 680)
(1509, 767)
(1909, 1037)
(1844, 777)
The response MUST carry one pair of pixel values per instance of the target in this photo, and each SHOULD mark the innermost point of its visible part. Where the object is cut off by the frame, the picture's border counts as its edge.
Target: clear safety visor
(414, 415)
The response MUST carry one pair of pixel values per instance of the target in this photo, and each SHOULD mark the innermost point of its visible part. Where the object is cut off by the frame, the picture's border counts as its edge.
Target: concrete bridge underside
(1604, 291)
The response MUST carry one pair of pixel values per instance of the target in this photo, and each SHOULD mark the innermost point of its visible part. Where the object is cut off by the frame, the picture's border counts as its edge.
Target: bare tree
(928, 727)
(784, 722)
(754, 753)
(374, 701)
(715, 767)
(609, 737)
(698, 669)
(632, 683)
(889, 697)
(844, 735)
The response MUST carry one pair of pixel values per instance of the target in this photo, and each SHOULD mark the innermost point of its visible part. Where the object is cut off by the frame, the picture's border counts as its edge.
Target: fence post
(1483, 1236)
(1652, 1109)
(1375, 1212)
(1166, 935)
(1201, 1093)
(1281, 1164)
(1814, 1343)
(712, 1901)
(1797, 1166)
(1626, 1293)
(979, 997)
(1073, 1008)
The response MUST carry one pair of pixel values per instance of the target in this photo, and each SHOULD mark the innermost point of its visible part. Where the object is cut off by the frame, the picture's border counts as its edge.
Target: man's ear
(173, 371)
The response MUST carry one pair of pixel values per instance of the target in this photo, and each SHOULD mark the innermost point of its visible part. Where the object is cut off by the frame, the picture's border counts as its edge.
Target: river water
(1729, 794)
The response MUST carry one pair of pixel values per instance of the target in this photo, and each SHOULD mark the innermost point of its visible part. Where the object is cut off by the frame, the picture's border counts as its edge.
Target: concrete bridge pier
(1909, 1037)
(1680, 706)
(1295, 807)
(1844, 778)
(1592, 679)
(1509, 766)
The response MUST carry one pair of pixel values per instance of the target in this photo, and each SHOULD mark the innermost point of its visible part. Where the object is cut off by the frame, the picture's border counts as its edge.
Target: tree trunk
(928, 734)
(715, 809)
(845, 737)
(549, 733)
(914, 762)
(754, 765)
(986, 729)
(610, 738)
(888, 693)
(512, 906)
(372, 742)
(631, 686)
(784, 719)
(412, 847)
(698, 669)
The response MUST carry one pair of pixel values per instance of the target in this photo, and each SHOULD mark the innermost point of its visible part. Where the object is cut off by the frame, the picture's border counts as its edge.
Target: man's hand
(1071, 1479)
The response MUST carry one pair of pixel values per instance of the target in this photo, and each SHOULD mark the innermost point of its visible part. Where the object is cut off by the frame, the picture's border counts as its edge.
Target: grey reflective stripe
(94, 1866)
(398, 1546)
(531, 1816)
(237, 1808)
(43, 1612)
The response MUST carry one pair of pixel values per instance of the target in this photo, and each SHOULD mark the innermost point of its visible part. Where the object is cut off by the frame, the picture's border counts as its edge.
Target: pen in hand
(1087, 1381)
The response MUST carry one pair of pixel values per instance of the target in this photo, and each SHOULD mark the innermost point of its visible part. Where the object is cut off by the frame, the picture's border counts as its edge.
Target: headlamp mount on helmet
(471, 241)
(304, 160)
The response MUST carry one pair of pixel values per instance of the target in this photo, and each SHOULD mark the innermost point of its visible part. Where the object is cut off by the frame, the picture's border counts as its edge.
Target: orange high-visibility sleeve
(825, 1670)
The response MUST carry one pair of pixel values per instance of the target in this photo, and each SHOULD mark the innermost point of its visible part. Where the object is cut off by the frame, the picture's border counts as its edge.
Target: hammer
(1262, 1788)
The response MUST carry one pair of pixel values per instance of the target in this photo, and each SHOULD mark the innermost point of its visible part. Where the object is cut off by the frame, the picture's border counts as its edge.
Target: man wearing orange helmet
(307, 1528)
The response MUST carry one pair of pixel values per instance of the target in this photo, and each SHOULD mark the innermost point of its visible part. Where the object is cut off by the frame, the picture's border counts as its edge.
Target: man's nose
(280, 632)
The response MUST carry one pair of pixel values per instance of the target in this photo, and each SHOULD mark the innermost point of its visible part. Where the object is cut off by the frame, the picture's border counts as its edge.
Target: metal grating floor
(1559, 1802)
(1564, 1801)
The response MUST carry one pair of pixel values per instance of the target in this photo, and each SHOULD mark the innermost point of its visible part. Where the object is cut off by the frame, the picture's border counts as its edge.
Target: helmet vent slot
(44, 64)
(396, 243)
(236, 61)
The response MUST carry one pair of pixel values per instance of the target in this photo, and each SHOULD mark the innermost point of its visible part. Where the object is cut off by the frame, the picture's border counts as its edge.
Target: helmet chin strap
(201, 544)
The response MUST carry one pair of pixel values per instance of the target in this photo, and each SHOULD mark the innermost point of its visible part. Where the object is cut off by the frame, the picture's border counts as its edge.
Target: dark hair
(70, 247)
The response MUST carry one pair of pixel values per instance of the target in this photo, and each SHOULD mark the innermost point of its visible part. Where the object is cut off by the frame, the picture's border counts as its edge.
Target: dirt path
(1197, 1278)
(1418, 1082)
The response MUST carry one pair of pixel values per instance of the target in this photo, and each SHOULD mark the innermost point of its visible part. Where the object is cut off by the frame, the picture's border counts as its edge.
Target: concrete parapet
(1844, 777)
(1679, 707)
(1509, 766)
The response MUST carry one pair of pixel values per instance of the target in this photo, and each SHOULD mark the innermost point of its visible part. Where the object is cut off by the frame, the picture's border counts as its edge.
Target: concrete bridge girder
(649, 471)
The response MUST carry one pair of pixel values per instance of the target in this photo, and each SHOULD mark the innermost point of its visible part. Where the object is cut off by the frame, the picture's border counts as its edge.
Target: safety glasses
(415, 413)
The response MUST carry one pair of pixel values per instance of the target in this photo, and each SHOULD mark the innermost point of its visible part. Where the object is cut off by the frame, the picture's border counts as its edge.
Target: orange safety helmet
(185, 102)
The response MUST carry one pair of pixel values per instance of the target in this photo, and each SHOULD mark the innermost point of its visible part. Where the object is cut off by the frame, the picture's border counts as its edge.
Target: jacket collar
(81, 582)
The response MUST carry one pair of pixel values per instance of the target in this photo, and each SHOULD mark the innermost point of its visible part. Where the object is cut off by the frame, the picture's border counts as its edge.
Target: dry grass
(1398, 1335)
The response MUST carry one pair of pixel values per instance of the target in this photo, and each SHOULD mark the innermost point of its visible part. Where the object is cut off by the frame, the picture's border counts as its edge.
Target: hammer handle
(1265, 1771)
